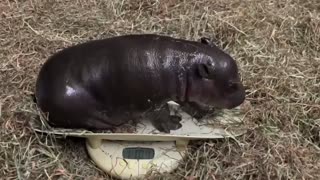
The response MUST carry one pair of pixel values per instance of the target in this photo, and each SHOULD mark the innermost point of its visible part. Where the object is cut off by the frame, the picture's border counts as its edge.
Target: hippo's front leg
(195, 110)
(162, 120)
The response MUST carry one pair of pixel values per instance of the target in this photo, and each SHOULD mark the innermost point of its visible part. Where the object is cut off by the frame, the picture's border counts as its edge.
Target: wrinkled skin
(104, 83)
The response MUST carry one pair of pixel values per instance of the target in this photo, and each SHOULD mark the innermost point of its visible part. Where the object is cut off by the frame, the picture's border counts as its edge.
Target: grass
(275, 43)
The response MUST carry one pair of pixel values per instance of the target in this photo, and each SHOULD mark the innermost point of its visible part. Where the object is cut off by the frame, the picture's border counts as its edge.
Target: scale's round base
(136, 159)
(135, 154)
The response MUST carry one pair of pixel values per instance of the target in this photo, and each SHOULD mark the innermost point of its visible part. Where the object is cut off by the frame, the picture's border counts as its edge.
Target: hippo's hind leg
(162, 120)
(81, 111)
(79, 117)
(97, 120)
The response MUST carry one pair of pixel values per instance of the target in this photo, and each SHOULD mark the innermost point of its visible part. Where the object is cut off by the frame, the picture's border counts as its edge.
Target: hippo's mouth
(205, 106)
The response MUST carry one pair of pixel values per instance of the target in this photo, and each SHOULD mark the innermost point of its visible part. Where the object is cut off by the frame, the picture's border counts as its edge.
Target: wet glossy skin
(103, 83)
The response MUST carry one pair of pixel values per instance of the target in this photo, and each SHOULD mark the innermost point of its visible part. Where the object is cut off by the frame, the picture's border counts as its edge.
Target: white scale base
(133, 155)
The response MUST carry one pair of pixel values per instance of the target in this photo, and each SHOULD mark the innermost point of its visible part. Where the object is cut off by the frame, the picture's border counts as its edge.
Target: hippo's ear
(205, 70)
(207, 41)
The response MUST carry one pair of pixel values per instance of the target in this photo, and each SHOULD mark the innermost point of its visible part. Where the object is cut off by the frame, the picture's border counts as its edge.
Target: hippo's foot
(173, 123)
(163, 121)
(196, 111)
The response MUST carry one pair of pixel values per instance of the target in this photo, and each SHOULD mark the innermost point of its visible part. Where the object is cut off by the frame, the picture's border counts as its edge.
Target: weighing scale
(145, 150)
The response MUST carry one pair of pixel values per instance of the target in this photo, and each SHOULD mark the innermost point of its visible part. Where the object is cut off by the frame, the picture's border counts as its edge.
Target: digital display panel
(138, 153)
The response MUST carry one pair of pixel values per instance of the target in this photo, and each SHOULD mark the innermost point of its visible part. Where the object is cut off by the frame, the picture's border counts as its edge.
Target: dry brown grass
(275, 43)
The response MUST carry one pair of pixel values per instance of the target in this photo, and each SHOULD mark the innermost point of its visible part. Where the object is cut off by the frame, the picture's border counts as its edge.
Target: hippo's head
(214, 80)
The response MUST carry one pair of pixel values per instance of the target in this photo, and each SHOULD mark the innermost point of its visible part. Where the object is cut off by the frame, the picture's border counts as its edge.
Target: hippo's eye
(206, 70)
(203, 70)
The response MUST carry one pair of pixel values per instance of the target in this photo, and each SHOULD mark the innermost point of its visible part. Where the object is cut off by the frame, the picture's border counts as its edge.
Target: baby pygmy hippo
(101, 84)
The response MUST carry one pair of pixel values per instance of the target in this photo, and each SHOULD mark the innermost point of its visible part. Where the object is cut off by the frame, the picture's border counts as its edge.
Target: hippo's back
(120, 71)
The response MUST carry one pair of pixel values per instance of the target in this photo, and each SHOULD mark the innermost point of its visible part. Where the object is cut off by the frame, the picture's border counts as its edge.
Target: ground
(275, 43)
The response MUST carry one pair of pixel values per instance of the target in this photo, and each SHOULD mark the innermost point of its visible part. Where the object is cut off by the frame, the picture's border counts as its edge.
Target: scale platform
(136, 151)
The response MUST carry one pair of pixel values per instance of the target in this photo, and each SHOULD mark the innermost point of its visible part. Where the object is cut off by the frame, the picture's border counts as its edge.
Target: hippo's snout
(236, 98)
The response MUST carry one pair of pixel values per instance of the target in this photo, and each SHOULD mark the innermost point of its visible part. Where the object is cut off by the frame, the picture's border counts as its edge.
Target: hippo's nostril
(233, 86)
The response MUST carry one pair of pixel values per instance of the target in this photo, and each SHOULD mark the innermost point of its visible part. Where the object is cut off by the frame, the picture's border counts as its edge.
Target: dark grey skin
(101, 84)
